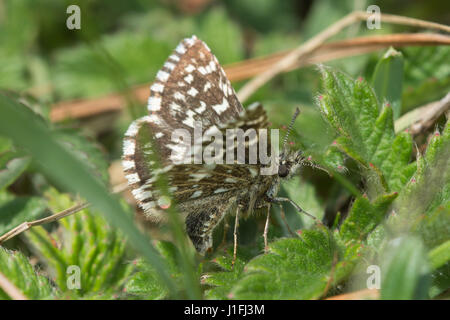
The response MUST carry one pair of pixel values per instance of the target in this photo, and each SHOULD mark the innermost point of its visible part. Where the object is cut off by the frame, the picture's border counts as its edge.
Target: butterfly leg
(266, 230)
(226, 227)
(236, 226)
(296, 206)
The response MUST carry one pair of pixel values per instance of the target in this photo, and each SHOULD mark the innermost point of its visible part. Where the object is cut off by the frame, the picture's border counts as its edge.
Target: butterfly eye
(283, 170)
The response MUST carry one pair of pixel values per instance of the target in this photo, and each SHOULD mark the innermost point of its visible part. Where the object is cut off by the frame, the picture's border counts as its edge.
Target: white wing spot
(128, 147)
(189, 68)
(127, 165)
(196, 194)
(147, 206)
(154, 103)
(132, 129)
(253, 171)
(162, 76)
(132, 178)
(169, 66)
(207, 86)
(202, 107)
(157, 87)
(179, 96)
(220, 190)
(189, 121)
(193, 92)
(180, 49)
(190, 41)
(141, 195)
(199, 176)
(174, 57)
(175, 107)
(212, 65)
(155, 119)
(189, 78)
(220, 108)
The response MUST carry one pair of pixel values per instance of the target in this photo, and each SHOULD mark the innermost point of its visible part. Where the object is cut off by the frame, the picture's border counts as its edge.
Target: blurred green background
(122, 44)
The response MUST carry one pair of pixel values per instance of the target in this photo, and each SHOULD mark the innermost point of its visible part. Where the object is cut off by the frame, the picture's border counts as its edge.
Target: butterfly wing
(189, 182)
(192, 89)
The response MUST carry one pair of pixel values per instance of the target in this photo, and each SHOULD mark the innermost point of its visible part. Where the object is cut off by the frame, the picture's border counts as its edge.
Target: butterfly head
(290, 162)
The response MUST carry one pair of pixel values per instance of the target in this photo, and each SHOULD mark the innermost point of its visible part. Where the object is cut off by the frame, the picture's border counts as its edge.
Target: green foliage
(405, 271)
(11, 167)
(440, 255)
(388, 79)
(16, 210)
(146, 284)
(59, 164)
(424, 204)
(295, 268)
(365, 131)
(87, 71)
(427, 75)
(220, 283)
(267, 15)
(224, 40)
(304, 193)
(84, 240)
(364, 216)
(388, 206)
(18, 270)
(85, 150)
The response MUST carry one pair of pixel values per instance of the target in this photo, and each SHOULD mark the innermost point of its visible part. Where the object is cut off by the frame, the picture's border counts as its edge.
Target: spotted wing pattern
(190, 90)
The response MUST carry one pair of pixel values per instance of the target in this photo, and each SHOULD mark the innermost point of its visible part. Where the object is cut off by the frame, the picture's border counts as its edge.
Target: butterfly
(191, 90)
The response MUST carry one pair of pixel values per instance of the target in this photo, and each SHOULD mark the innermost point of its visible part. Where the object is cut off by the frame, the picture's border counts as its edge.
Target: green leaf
(387, 80)
(5, 144)
(84, 240)
(84, 71)
(364, 217)
(222, 282)
(59, 164)
(440, 280)
(426, 75)
(17, 269)
(405, 270)
(146, 284)
(365, 131)
(86, 150)
(11, 167)
(297, 268)
(423, 206)
(225, 41)
(268, 15)
(19, 210)
(303, 193)
(440, 255)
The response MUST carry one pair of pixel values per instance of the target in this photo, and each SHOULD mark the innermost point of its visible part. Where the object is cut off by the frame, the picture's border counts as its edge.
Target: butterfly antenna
(289, 129)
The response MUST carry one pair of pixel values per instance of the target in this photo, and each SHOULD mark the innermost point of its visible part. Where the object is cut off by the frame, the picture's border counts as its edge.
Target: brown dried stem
(421, 119)
(253, 67)
(10, 289)
(358, 295)
(314, 43)
(54, 217)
